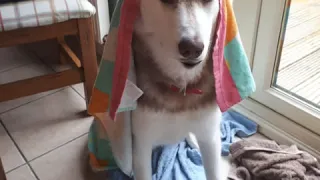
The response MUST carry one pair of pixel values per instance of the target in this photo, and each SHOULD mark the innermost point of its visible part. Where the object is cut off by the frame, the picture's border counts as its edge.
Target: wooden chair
(32, 21)
(60, 24)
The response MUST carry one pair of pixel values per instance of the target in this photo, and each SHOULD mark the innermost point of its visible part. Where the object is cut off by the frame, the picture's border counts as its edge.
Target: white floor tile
(80, 89)
(13, 57)
(45, 124)
(22, 173)
(23, 72)
(69, 162)
(9, 153)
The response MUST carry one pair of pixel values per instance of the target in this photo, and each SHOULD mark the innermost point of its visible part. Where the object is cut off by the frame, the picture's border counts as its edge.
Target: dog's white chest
(160, 128)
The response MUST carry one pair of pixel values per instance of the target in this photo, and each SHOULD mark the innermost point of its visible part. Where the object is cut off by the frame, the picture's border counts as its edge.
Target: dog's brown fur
(156, 85)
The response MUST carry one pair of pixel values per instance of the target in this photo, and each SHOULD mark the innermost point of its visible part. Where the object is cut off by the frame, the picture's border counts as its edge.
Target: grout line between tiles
(18, 66)
(20, 151)
(77, 92)
(34, 55)
(26, 160)
(32, 101)
(37, 60)
(31, 54)
(16, 168)
(58, 147)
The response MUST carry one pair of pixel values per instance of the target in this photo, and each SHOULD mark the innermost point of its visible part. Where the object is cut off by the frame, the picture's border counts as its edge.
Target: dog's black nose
(190, 48)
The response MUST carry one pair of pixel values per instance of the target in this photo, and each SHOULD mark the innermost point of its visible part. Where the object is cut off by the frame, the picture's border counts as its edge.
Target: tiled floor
(44, 136)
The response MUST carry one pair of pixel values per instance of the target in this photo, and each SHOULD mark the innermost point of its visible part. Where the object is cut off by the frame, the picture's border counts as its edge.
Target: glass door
(286, 63)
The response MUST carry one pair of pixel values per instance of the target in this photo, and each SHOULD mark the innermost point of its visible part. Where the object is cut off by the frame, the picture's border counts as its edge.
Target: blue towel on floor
(174, 162)
(181, 162)
(233, 124)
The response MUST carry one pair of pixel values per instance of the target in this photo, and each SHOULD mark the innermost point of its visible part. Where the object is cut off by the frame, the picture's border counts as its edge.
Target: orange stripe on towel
(230, 21)
(97, 163)
(99, 102)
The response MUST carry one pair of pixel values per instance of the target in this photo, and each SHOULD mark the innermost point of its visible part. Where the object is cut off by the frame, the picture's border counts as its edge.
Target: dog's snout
(190, 48)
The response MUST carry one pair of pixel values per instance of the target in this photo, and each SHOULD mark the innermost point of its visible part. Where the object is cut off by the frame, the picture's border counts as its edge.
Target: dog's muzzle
(190, 63)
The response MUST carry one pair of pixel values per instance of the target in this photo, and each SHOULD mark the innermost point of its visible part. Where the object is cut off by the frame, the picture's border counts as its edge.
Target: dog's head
(178, 33)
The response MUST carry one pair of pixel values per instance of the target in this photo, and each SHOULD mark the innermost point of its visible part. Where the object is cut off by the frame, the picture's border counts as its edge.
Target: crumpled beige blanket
(266, 160)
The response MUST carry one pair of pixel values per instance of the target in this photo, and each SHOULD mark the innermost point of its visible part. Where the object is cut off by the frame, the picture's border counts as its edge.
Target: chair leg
(2, 173)
(89, 57)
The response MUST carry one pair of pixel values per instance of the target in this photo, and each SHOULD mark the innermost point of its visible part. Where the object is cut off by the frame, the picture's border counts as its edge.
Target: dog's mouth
(190, 64)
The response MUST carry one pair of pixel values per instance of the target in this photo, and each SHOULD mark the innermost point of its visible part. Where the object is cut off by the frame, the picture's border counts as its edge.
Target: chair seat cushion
(33, 13)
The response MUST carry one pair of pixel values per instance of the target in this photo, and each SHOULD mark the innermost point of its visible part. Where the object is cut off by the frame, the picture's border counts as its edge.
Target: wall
(247, 13)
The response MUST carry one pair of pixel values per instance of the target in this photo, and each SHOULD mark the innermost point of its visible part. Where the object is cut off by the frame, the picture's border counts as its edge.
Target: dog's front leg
(210, 148)
(142, 152)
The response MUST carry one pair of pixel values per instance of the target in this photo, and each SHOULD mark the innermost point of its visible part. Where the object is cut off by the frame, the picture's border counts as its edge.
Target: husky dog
(172, 48)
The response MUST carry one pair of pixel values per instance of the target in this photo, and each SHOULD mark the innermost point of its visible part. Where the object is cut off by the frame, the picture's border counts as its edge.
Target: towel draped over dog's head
(115, 89)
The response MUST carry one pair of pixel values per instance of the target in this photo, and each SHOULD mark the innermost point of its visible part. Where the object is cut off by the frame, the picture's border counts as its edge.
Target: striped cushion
(33, 13)
(10, 1)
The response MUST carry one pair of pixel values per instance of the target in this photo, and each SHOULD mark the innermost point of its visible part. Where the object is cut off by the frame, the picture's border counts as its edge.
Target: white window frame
(266, 53)
(280, 116)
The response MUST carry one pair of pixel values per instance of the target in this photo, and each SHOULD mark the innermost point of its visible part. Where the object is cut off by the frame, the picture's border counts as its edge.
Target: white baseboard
(279, 128)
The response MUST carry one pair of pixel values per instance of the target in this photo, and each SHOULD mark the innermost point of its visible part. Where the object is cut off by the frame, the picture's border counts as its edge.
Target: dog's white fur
(153, 127)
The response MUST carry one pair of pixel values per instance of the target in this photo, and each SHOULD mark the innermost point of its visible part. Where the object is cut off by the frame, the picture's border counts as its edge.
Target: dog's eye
(170, 1)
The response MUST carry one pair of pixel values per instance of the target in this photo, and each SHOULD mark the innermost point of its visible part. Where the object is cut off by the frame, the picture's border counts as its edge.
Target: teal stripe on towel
(239, 67)
(104, 78)
(101, 148)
